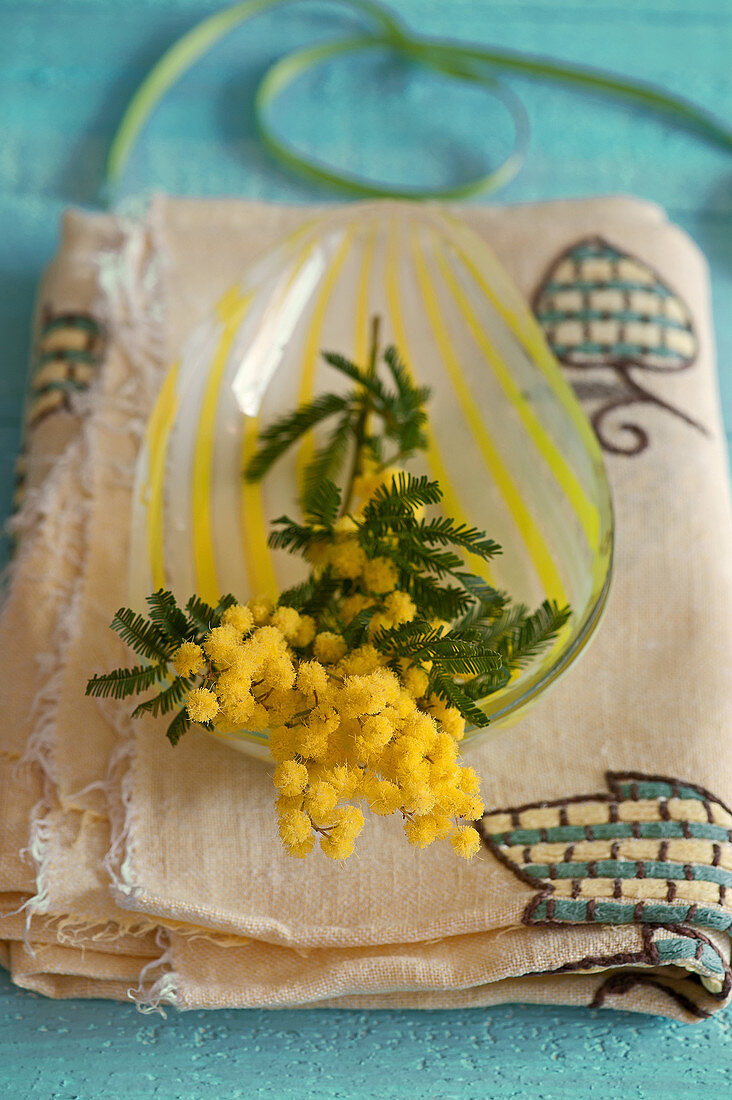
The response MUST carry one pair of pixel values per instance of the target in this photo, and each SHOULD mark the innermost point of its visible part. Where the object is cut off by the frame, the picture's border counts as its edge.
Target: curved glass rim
(544, 677)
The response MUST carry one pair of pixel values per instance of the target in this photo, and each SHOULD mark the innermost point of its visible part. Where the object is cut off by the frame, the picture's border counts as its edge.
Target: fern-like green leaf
(356, 632)
(455, 696)
(416, 554)
(482, 686)
(328, 461)
(446, 531)
(141, 635)
(407, 639)
(469, 664)
(166, 700)
(201, 615)
(168, 617)
(178, 726)
(345, 366)
(322, 594)
(126, 681)
(289, 535)
(280, 436)
(322, 504)
(435, 600)
(533, 634)
(391, 502)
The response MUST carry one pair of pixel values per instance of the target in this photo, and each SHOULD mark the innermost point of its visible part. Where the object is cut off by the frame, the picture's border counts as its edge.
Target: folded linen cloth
(608, 845)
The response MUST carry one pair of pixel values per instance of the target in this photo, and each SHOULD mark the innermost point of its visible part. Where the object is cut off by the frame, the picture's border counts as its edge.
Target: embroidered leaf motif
(653, 850)
(604, 310)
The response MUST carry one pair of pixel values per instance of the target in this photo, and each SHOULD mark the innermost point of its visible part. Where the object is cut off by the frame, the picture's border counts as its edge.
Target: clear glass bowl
(509, 442)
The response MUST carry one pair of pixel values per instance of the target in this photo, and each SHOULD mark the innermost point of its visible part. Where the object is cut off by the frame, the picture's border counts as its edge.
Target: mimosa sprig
(365, 674)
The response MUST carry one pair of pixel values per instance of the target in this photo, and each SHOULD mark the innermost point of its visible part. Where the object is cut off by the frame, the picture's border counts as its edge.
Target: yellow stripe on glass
(230, 312)
(525, 328)
(312, 347)
(438, 469)
(586, 511)
(527, 528)
(262, 578)
(253, 520)
(159, 428)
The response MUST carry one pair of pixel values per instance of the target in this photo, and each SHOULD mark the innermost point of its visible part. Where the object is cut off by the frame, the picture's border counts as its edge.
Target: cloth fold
(607, 862)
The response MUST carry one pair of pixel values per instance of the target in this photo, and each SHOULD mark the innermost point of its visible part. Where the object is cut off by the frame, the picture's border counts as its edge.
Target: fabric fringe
(164, 989)
(130, 302)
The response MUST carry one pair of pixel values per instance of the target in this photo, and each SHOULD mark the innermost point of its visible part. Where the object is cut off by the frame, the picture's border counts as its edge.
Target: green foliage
(156, 639)
(204, 617)
(454, 694)
(168, 617)
(531, 634)
(166, 700)
(447, 532)
(382, 420)
(321, 507)
(356, 632)
(328, 459)
(280, 436)
(178, 726)
(141, 635)
(126, 681)
(395, 502)
(292, 536)
(398, 409)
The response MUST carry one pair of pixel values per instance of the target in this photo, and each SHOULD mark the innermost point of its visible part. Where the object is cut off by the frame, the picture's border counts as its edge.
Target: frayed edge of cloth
(150, 996)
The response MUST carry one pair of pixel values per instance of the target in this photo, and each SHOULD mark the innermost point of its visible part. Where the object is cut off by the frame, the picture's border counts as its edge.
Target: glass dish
(509, 442)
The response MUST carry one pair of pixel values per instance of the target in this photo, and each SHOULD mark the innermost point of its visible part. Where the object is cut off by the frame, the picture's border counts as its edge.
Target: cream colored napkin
(607, 857)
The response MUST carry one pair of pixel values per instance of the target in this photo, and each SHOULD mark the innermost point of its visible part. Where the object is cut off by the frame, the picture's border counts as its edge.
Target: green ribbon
(471, 64)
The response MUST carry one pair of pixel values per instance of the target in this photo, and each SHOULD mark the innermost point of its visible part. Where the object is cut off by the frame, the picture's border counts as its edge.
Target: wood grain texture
(66, 72)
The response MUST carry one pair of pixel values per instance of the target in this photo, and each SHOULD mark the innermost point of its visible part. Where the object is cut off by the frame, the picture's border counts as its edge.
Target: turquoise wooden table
(66, 72)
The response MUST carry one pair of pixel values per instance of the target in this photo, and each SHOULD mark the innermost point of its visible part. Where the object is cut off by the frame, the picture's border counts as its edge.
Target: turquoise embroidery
(603, 310)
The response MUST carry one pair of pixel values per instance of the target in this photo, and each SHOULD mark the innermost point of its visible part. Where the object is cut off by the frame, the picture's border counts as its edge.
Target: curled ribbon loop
(472, 64)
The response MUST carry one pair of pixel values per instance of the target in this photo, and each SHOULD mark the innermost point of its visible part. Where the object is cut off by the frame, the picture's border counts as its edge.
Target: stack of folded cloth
(129, 869)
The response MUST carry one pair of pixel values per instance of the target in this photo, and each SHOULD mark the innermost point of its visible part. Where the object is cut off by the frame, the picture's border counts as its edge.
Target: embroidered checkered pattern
(598, 304)
(653, 850)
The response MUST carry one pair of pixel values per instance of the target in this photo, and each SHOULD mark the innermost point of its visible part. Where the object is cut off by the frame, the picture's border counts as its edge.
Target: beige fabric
(142, 855)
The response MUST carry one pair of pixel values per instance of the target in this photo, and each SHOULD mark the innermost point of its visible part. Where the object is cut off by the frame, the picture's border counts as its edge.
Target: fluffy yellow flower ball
(353, 604)
(282, 743)
(384, 797)
(329, 647)
(420, 830)
(380, 575)
(305, 632)
(361, 661)
(347, 559)
(295, 827)
(318, 554)
(346, 525)
(287, 620)
(233, 686)
(222, 644)
(469, 781)
(320, 802)
(453, 723)
(303, 849)
(240, 617)
(339, 842)
(416, 681)
(188, 659)
(202, 705)
(399, 608)
(312, 679)
(465, 841)
(261, 609)
(291, 778)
